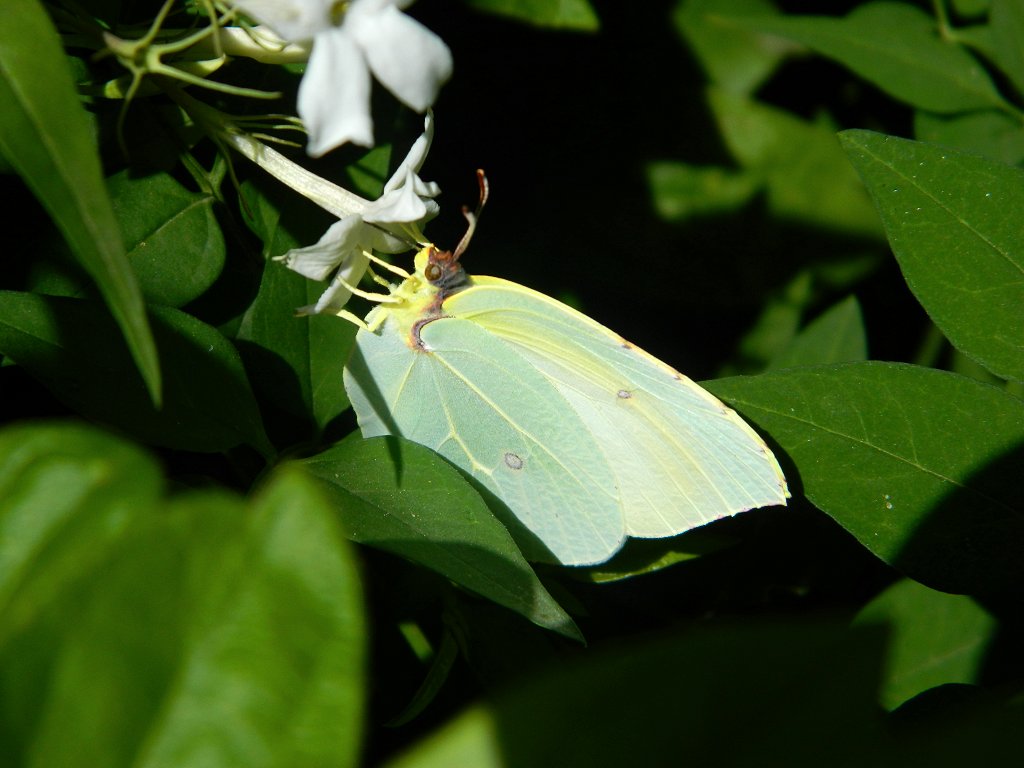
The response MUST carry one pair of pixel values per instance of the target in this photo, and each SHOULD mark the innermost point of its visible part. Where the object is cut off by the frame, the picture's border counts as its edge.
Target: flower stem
(220, 128)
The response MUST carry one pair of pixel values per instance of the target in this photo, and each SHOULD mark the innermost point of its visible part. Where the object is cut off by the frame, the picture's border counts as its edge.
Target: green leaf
(296, 362)
(936, 639)
(921, 466)
(801, 164)
(281, 563)
(952, 222)
(801, 695)
(837, 336)
(67, 495)
(214, 633)
(779, 321)
(45, 136)
(237, 577)
(958, 724)
(564, 14)
(996, 135)
(403, 498)
(977, 37)
(174, 242)
(71, 346)
(896, 47)
(683, 191)
(1006, 20)
(735, 59)
(970, 8)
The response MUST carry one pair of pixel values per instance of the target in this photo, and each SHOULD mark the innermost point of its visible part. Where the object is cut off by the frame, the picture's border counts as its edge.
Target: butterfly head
(442, 268)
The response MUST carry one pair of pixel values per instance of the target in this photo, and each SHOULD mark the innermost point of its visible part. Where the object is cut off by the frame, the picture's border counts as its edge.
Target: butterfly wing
(680, 457)
(470, 397)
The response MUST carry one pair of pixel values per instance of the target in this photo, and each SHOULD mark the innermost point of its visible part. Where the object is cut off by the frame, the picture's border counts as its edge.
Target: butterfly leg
(379, 280)
(376, 323)
(380, 298)
(354, 319)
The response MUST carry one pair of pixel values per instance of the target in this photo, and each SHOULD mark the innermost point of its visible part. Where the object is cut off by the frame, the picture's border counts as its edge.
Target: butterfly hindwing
(472, 398)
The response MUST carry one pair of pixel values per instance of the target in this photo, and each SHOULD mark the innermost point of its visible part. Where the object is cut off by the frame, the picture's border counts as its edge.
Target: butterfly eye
(444, 271)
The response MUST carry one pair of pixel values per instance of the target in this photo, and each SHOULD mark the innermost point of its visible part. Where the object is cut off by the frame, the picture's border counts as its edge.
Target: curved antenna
(472, 218)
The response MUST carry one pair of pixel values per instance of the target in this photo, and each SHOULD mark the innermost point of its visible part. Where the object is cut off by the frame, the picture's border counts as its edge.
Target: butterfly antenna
(472, 218)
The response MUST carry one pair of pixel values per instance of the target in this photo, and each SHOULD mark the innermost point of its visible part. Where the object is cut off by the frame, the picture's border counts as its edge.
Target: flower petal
(415, 157)
(334, 96)
(337, 295)
(374, 6)
(317, 261)
(294, 20)
(406, 57)
(378, 239)
(400, 205)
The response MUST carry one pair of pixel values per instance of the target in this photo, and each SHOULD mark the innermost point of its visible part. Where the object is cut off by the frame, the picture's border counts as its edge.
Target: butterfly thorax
(437, 275)
(442, 270)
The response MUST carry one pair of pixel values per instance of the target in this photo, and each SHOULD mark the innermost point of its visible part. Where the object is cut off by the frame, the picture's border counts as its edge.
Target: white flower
(370, 37)
(390, 224)
(343, 246)
(406, 197)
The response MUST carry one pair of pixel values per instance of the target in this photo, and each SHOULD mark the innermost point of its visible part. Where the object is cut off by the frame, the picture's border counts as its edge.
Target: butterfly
(582, 438)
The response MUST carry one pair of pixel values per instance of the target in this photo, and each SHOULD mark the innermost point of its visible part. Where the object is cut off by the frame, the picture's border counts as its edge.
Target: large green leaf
(953, 221)
(71, 346)
(898, 48)
(795, 696)
(403, 498)
(67, 495)
(563, 14)
(273, 627)
(800, 694)
(936, 639)
(174, 241)
(45, 136)
(921, 466)
(200, 631)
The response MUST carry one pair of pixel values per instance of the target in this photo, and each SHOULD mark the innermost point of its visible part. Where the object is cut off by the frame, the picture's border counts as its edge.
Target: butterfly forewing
(680, 457)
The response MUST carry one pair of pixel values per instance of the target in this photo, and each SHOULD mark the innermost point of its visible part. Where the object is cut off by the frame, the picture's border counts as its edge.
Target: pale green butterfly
(583, 437)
